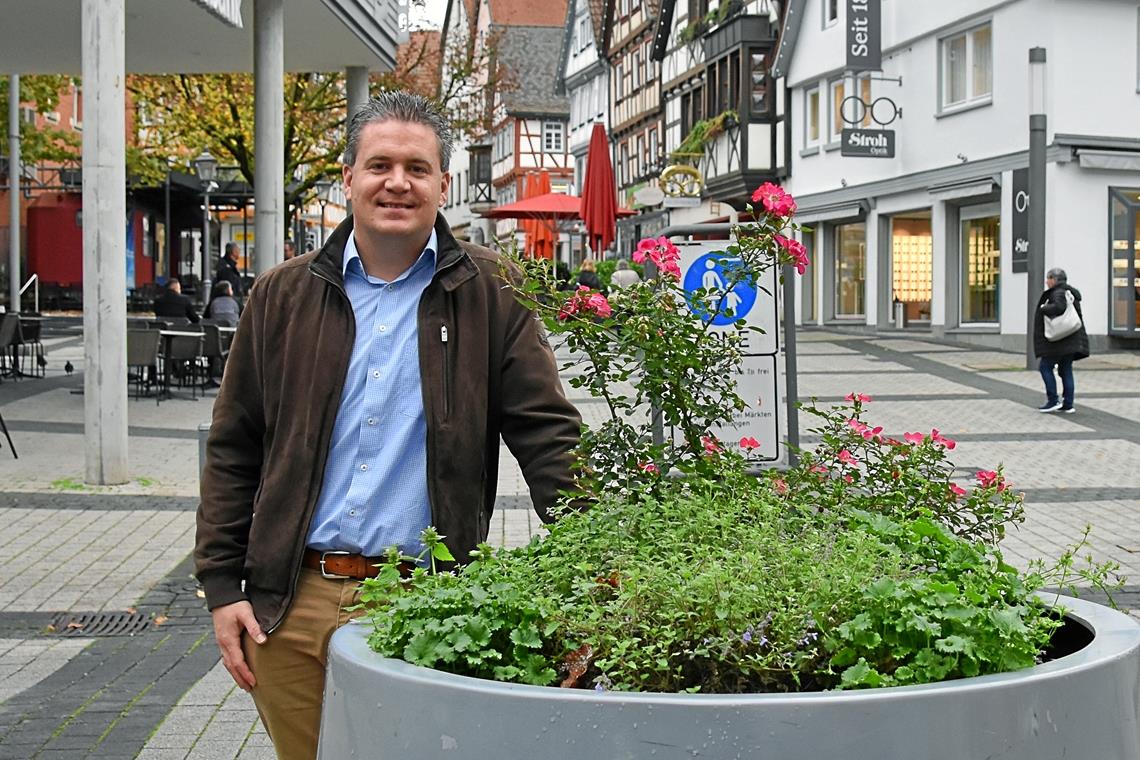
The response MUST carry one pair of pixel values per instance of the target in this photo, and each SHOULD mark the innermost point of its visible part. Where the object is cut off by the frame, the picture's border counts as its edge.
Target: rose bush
(866, 564)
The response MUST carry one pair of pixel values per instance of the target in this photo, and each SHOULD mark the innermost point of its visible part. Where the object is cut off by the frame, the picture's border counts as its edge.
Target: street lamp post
(206, 167)
(323, 187)
(1035, 265)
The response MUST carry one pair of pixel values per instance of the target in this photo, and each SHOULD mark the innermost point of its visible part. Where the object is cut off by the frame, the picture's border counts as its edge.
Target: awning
(856, 210)
(968, 189)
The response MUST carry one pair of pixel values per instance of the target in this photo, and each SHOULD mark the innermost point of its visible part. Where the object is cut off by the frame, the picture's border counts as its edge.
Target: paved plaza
(106, 650)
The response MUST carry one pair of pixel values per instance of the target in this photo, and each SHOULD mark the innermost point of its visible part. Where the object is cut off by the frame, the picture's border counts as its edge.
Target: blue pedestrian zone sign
(709, 275)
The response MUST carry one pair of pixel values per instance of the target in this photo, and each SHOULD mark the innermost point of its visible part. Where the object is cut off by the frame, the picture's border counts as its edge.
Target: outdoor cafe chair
(32, 358)
(9, 340)
(142, 358)
(214, 351)
(9, 437)
(182, 356)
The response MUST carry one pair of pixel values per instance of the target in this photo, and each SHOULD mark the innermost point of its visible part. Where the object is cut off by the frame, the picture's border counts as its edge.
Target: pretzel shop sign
(864, 36)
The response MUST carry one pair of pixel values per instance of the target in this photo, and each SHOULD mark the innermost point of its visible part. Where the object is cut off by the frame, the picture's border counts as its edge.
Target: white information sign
(705, 265)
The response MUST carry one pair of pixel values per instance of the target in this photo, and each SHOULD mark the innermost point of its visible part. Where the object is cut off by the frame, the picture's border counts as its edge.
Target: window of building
(697, 9)
(692, 109)
(623, 165)
(76, 105)
(811, 117)
(639, 157)
(912, 264)
(553, 136)
(850, 269)
(653, 157)
(864, 89)
(722, 78)
(760, 83)
(1124, 261)
(981, 268)
(837, 92)
(967, 67)
(807, 281)
(583, 33)
(830, 12)
(637, 70)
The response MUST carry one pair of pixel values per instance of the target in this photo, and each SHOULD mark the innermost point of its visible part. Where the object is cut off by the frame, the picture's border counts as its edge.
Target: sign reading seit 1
(864, 36)
(868, 143)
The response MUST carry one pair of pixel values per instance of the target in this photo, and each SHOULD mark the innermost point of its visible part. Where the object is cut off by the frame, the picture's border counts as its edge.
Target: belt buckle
(332, 576)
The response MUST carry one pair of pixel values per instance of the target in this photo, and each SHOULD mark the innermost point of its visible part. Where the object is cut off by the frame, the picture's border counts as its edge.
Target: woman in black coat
(1059, 354)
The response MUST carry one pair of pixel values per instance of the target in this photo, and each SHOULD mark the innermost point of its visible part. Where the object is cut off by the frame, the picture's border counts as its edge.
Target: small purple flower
(599, 688)
(747, 636)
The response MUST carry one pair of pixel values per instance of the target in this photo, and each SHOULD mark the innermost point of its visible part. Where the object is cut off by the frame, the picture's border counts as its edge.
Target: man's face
(1050, 282)
(396, 184)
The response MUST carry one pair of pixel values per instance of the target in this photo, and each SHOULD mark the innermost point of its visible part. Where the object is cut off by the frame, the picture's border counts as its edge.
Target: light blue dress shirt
(375, 494)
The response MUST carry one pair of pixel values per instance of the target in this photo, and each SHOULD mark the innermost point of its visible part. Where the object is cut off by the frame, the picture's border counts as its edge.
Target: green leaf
(442, 553)
(952, 644)
(526, 635)
(860, 674)
(1008, 621)
(426, 649)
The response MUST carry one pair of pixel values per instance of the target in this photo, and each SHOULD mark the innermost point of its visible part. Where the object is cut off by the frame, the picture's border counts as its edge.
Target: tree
(180, 115)
(46, 143)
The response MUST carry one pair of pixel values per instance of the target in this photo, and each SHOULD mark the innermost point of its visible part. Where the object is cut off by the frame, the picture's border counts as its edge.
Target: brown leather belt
(341, 565)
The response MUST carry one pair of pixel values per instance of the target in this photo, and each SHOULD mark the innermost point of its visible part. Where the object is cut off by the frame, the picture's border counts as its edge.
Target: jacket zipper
(446, 373)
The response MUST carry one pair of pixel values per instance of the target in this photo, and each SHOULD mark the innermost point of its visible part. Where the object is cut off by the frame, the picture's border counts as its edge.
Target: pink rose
(774, 200)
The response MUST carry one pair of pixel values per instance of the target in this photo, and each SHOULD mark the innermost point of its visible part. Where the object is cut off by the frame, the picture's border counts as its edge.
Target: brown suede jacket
(274, 415)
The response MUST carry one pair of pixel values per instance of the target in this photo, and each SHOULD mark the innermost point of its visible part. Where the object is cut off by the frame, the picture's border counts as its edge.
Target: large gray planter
(1085, 705)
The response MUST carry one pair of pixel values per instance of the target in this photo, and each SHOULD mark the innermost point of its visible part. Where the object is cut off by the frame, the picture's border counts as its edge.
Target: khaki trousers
(290, 666)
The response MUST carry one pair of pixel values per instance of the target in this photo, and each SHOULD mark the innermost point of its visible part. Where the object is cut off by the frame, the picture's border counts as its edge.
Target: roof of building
(528, 12)
(531, 54)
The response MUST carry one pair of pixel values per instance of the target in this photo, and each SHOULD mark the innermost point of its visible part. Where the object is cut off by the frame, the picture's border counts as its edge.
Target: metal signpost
(767, 373)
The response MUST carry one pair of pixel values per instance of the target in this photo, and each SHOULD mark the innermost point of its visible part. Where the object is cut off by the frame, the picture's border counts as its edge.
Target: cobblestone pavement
(106, 650)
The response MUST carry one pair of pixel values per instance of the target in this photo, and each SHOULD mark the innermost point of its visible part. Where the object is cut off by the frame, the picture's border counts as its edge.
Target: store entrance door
(1125, 262)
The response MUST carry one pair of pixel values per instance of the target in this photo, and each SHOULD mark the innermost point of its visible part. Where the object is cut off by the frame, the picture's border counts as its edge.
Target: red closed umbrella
(530, 190)
(544, 237)
(599, 193)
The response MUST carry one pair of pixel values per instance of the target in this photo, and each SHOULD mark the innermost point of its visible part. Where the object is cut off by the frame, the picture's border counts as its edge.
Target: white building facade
(584, 79)
(926, 238)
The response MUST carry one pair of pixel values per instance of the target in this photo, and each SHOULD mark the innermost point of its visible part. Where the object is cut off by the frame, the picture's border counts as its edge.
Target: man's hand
(230, 621)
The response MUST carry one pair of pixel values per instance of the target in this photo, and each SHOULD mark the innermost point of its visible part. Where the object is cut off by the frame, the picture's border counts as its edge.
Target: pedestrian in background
(623, 276)
(223, 307)
(1056, 357)
(171, 303)
(290, 249)
(588, 275)
(228, 271)
(302, 493)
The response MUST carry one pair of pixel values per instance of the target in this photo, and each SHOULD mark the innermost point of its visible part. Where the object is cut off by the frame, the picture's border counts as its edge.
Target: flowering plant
(866, 564)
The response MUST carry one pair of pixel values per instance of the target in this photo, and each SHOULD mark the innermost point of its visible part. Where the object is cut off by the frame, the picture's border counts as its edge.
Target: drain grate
(100, 623)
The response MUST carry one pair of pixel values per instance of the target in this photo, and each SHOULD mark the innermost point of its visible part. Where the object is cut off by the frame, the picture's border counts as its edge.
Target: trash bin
(203, 434)
(900, 315)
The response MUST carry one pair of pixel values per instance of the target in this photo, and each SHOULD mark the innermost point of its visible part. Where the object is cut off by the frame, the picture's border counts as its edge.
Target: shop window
(811, 117)
(967, 68)
(807, 281)
(912, 265)
(981, 269)
(692, 109)
(1125, 261)
(850, 269)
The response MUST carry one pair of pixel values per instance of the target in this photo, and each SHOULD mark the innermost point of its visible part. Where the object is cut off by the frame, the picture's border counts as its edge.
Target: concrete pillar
(356, 94)
(14, 173)
(269, 132)
(104, 241)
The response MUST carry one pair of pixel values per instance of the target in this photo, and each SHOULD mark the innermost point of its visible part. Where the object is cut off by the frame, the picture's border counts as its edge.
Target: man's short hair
(231, 246)
(1057, 274)
(173, 283)
(398, 105)
(227, 288)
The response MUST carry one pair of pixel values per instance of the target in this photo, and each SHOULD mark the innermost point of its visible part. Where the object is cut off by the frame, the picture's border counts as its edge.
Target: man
(290, 249)
(623, 276)
(171, 303)
(227, 269)
(365, 394)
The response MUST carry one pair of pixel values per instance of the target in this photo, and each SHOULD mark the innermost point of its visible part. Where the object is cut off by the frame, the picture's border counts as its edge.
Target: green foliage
(867, 564)
(42, 93)
(703, 132)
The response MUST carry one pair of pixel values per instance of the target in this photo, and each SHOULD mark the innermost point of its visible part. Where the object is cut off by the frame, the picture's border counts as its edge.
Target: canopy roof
(180, 36)
(547, 206)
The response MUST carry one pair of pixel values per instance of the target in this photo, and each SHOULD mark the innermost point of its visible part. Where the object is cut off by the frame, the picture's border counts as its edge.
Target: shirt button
(352, 512)
(371, 420)
(364, 468)
(382, 328)
(375, 373)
